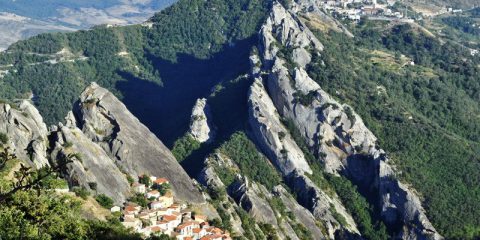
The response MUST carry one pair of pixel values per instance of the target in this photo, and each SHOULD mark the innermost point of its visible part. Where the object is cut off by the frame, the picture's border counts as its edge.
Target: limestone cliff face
(91, 168)
(201, 128)
(285, 28)
(333, 130)
(257, 200)
(302, 215)
(275, 140)
(106, 121)
(26, 131)
(271, 134)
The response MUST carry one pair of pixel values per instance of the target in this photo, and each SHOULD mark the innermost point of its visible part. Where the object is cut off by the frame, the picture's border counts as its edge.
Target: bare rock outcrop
(333, 131)
(322, 206)
(201, 128)
(26, 131)
(257, 200)
(107, 122)
(91, 168)
(283, 27)
(302, 215)
(247, 195)
(273, 137)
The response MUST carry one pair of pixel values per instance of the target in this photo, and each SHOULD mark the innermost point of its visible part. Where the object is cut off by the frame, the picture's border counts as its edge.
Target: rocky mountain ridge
(107, 142)
(113, 144)
(334, 131)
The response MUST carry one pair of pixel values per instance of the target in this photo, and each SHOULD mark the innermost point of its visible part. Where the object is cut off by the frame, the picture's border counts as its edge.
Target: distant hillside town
(154, 212)
(388, 10)
(356, 9)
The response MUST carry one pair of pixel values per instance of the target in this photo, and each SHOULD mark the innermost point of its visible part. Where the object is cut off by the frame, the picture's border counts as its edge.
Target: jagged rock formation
(107, 122)
(283, 27)
(334, 131)
(290, 160)
(302, 214)
(247, 195)
(322, 205)
(201, 128)
(257, 200)
(91, 168)
(272, 135)
(26, 131)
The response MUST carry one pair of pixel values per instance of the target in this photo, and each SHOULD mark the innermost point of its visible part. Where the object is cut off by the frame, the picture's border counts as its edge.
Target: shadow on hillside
(166, 109)
(229, 114)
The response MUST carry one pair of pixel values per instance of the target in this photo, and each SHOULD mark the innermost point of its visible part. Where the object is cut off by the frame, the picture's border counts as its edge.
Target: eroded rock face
(257, 200)
(247, 195)
(321, 205)
(91, 168)
(106, 121)
(288, 31)
(273, 137)
(26, 131)
(330, 127)
(201, 128)
(333, 131)
(398, 201)
(302, 215)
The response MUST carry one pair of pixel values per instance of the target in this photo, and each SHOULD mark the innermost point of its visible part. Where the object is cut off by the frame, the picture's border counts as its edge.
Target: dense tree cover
(251, 162)
(360, 209)
(30, 209)
(3, 139)
(465, 24)
(425, 116)
(104, 201)
(183, 147)
(200, 27)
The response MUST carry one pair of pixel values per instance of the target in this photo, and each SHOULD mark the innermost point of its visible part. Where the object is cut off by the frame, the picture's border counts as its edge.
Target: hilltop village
(384, 10)
(373, 9)
(154, 211)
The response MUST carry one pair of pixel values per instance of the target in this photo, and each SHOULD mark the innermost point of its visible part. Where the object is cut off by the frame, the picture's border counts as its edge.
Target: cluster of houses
(165, 216)
(355, 9)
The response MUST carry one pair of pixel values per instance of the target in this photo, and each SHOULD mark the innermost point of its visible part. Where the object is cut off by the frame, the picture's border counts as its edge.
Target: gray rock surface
(107, 122)
(302, 215)
(274, 138)
(248, 196)
(93, 169)
(283, 27)
(201, 128)
(333, 130)
(209, 178)
(26, 131)
(256, 199)
(321, 204)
